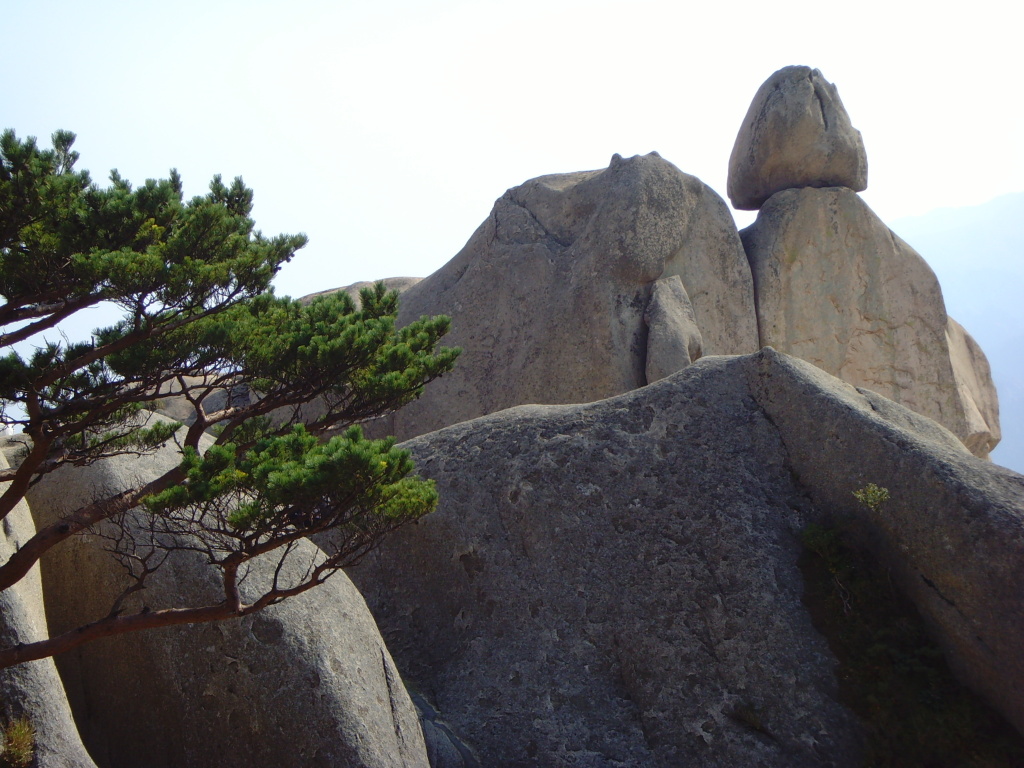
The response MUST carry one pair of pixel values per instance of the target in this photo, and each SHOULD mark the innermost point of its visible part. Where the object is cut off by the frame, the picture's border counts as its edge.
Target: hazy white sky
(385, 130)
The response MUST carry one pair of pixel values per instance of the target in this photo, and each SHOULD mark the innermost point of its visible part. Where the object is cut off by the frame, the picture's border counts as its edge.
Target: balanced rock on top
(796, 134)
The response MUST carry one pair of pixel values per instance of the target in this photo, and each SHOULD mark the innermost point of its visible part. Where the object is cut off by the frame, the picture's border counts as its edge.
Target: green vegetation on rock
(17, 744)
(199, 323)
(891, 674)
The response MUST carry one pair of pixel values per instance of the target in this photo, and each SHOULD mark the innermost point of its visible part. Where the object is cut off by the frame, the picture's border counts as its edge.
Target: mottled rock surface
(952, 534)
(616, 584)
(305, 683)
(835, 287)
(795, 134)
(548, 297)
(673, 338)
(977, 391)
(33, 690)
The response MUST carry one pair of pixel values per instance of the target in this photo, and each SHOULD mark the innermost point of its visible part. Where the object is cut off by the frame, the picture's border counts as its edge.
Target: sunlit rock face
(551, 298)
(585, 285)
(833, 285)
(795, 134)
(836, 288)
(33, 690)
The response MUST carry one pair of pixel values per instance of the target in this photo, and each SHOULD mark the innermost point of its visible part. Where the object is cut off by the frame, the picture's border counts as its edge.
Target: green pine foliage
(17, 744)
(294, 484)
(200, 320)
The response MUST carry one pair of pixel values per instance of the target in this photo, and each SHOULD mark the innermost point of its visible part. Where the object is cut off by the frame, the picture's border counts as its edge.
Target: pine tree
(200, 320)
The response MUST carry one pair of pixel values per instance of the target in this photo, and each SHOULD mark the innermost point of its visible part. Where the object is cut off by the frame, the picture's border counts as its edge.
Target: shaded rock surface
(33, 690)
(305, 683)
(952, 534)
(548, 297)
(796, 134)
(616, 584)
(835, 287)
(444, 748)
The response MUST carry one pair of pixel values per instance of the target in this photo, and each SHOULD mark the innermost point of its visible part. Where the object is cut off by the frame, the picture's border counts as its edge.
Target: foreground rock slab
(616, 584)
(835, 287)
(305, 683)
(796, 134)
(953, 533)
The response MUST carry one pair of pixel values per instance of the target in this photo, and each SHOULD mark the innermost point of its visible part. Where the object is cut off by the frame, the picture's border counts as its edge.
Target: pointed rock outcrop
(795, 134)
(673, 337)
(975, 389)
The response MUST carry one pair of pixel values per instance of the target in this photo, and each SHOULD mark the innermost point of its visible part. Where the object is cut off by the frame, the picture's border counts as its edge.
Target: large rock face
(33, 690)
(616, 584)
(795, 134)
(836, 288)
(305, 683)
(953, 534)
(548, 298)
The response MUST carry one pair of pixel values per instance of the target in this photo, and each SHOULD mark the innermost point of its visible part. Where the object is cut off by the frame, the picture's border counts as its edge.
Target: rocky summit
(668, 450)
(586, 285)
(551, 298)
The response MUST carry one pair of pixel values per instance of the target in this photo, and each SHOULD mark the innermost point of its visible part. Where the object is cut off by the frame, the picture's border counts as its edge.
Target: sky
(385, 130)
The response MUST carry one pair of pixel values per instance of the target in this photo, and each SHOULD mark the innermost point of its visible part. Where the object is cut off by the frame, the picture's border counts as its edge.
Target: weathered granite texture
(33, 690)
(796, 134)
(548, 297)
(835, 287)
(306, 683)
(616, 584)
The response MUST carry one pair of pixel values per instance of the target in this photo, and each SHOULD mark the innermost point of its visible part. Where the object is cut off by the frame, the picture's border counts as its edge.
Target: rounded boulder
(796, 134)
